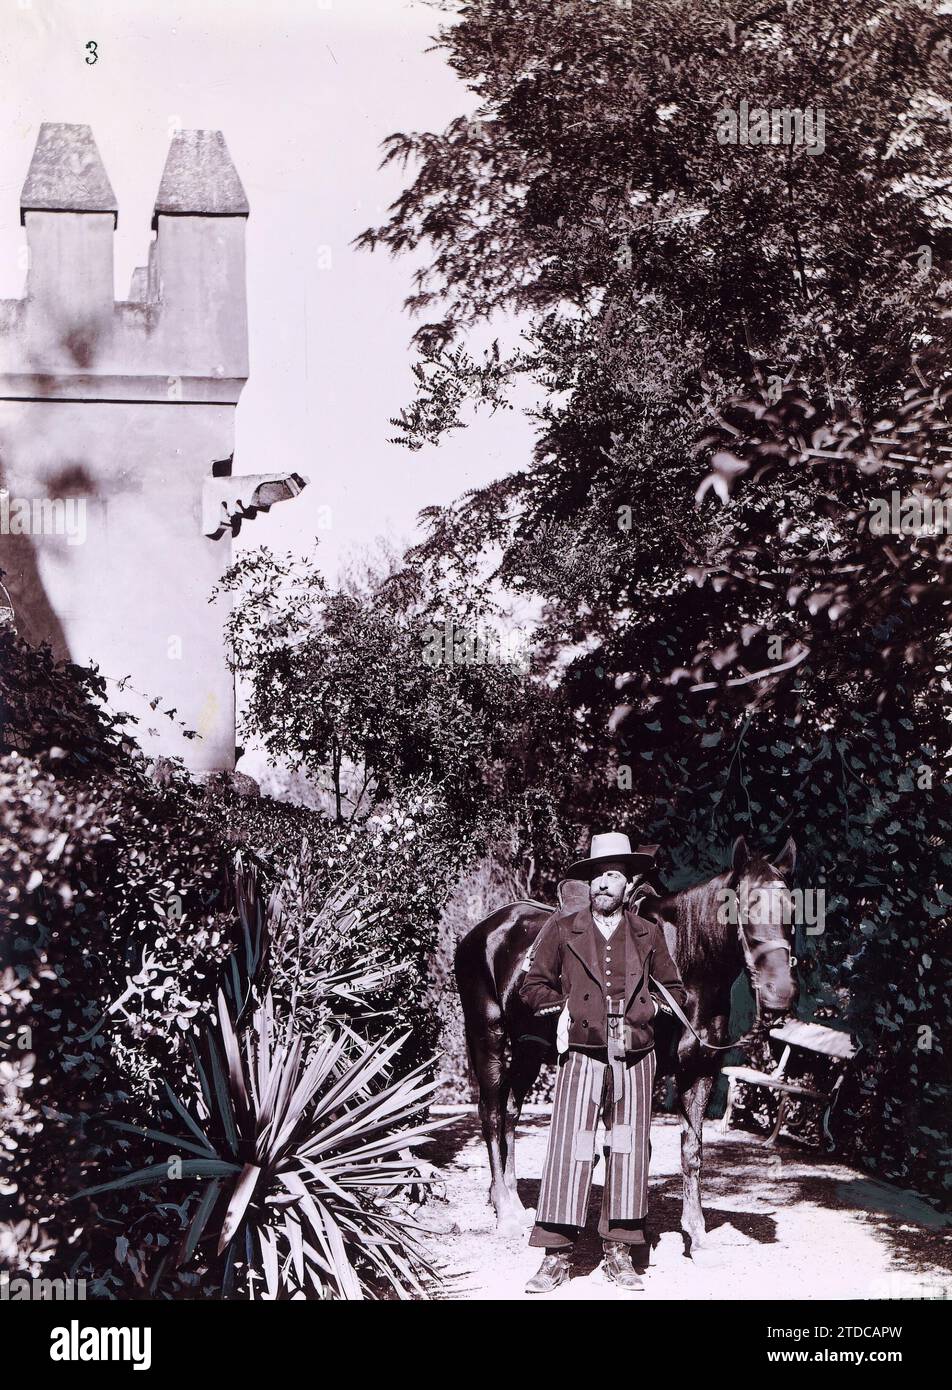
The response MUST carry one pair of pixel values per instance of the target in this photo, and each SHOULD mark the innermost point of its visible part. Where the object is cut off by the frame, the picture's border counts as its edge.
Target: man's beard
(606, 904)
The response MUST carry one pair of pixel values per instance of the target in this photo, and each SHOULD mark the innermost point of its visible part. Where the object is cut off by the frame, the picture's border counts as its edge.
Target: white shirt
(607, 925)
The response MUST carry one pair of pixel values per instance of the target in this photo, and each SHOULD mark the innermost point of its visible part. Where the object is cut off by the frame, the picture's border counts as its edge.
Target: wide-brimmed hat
(613, 848)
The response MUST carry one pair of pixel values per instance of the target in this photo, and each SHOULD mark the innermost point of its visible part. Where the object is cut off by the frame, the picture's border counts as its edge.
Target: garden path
(784, 1223)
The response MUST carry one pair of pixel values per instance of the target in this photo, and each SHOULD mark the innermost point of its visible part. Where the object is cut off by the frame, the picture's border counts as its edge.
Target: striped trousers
(584, 1086)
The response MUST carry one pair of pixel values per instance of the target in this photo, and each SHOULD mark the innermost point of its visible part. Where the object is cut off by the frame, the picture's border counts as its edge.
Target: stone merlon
(66, 174)
(182, 334)
(199, 179)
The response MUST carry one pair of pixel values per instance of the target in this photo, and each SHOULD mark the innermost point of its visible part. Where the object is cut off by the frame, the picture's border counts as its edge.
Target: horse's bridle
(752, 953)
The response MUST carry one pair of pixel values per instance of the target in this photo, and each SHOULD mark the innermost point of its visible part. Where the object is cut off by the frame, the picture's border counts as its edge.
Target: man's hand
(562, 1032)
(660, 1007)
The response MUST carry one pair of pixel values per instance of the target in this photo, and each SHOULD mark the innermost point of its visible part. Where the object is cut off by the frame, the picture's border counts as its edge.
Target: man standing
(595, 965)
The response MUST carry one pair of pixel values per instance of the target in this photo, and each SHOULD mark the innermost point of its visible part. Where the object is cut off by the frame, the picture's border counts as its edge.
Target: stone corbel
(226, 502)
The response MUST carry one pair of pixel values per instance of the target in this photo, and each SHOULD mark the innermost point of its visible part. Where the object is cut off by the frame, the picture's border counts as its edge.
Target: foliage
(862, 600)
(763, 324)
(859, 701)
(56, 709)
(428, 761)
(124, 910)
(301, 1146)
(113, 921)
(589, 193)
(343, 679)
(327, 956)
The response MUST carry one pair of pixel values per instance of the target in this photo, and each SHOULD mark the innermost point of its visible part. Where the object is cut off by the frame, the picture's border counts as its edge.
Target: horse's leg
(523, 1071)
(694, 1090)
(487, 1052)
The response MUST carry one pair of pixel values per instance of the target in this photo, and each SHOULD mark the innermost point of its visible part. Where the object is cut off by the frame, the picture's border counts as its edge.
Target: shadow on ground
(783, 1222)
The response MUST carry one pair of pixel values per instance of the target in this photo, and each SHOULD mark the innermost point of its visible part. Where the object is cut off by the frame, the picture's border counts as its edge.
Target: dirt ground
(784, 1223)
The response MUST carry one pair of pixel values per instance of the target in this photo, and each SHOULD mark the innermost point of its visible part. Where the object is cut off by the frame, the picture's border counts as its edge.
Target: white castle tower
(123, 415)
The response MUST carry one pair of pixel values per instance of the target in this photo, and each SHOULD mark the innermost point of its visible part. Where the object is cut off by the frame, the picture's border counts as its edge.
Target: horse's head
(765, 923)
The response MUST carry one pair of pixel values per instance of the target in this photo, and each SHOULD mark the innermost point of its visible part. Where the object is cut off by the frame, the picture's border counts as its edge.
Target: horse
(508, 1045)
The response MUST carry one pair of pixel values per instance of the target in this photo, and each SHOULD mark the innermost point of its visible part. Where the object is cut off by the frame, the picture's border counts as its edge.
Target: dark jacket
(565, 970)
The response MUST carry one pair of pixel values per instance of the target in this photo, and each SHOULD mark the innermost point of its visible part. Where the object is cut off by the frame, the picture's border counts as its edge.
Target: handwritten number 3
(92, 52)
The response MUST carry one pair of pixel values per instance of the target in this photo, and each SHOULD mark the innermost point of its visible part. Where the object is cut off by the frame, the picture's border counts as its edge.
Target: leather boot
(618, 1267)
(553, 1271)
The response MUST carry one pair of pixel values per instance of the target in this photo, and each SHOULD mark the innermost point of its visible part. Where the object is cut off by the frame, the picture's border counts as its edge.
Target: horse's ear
(741, 856)
(788, 858)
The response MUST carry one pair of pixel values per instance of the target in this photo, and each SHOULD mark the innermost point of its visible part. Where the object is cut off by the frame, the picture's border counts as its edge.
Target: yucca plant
(325, 956)
(310, 947)
(252, 921)
(300, 1155)
(315, 967)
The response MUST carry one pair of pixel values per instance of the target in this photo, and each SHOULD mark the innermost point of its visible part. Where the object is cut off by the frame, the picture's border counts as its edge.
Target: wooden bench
(812, 1037)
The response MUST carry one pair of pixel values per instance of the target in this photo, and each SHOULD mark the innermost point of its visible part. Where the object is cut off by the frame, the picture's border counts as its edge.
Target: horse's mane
(701, 937)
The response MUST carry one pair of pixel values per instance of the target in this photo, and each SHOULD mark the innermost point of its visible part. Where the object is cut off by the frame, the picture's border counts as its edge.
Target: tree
(660, 271)
(698, 314)
(384, 685)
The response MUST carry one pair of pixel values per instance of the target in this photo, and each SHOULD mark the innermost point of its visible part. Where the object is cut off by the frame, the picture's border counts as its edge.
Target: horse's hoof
(510, 1229)
(512, 1224)
(694, 1241)
(513, 1220)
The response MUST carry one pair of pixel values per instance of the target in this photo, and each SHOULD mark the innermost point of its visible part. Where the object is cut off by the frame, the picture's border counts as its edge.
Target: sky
(304, 91)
